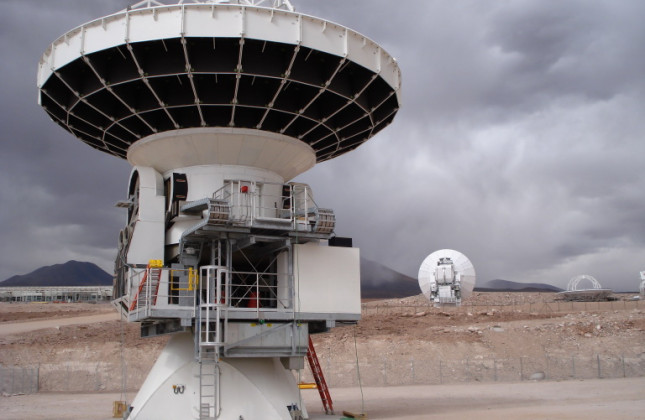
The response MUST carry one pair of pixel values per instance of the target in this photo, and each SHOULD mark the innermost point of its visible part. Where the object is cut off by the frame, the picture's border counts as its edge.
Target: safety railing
(212, 288)
(159, 287)
(213, 302)
(267, 203)
(253, 291)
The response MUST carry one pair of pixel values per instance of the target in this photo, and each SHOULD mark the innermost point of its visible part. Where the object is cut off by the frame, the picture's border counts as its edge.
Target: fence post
(624, 373)
(598, 358)
(521, 369)
(412, 369)
(573, 367)
(440, 373)
(495, 368)
(384, 371)
(329, 359)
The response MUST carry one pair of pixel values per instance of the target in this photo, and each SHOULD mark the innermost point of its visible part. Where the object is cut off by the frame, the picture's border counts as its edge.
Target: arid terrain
(398, 342)
(493, 337)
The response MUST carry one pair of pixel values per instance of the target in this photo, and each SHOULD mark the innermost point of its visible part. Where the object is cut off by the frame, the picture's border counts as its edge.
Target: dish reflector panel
(446, 276)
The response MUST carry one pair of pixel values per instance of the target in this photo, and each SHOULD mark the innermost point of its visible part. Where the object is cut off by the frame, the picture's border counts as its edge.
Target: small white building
(56, 294)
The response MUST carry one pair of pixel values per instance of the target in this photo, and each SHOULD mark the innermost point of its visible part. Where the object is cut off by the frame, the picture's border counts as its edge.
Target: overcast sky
(520, 142)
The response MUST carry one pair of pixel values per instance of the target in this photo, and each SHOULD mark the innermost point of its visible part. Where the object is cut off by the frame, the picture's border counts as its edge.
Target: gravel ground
(617, 399)
(82, 347)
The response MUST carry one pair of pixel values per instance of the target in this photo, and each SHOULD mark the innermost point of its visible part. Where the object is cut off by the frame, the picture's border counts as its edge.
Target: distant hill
(499, 285)
(380, 282)
(72, 273)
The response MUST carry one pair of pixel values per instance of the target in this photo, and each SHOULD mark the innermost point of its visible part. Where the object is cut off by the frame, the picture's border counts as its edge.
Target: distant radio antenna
(593, 294)
(446, 277)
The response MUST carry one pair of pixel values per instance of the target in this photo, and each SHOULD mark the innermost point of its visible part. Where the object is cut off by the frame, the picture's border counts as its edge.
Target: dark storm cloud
(58, 195)
(519, 143)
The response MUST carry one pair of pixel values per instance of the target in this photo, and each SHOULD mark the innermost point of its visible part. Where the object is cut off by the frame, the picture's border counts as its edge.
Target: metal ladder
(317, 372)
(212, 310)
(208, 386)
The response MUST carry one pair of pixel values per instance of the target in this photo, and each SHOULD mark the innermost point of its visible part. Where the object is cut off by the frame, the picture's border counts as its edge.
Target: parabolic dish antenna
(446, 277)
(218, 104)
(593, 294)
(572, 286)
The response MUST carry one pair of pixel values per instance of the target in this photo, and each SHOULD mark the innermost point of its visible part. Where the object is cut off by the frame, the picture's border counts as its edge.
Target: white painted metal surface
(218, 20)
(255, 388)
(436, 277)
(327, 279)
(171, 150)
(146, 235)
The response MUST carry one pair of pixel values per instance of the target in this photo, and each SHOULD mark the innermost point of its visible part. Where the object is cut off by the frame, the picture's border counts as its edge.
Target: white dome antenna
(446, 277)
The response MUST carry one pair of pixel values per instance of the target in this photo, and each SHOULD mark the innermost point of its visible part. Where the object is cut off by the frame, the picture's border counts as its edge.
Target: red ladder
(316, 370)
(154, 269)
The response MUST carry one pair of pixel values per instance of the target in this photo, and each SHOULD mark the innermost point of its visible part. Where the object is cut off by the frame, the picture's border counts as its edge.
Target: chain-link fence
(18, 380)
(416, 371)
(380, 372)
(539, 306)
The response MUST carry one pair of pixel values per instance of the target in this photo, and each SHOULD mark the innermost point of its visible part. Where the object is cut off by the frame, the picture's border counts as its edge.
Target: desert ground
(500, 355)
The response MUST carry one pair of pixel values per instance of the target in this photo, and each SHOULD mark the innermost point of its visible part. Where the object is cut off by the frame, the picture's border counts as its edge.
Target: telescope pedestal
(247, 388)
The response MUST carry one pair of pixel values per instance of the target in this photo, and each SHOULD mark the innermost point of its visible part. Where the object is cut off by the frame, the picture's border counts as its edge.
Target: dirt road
(9, 328)
(618, 399)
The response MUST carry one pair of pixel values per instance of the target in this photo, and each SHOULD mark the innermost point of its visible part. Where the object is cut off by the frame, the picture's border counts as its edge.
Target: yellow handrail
(193, 281)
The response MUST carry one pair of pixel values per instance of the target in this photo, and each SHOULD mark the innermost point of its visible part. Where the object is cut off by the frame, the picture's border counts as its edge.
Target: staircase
(316, 370)
(149, 286)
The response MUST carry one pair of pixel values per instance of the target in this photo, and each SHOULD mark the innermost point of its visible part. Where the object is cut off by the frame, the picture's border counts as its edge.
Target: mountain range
(377, 280)
(499, 285)
(71, 273)
(380, 282)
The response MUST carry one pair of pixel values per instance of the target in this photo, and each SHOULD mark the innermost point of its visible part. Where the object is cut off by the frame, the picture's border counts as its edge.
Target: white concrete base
(249, 388)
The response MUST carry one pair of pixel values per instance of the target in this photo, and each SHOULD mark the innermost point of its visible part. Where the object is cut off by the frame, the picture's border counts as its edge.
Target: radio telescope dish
(218, 105)
(593, 294)
(446, 277)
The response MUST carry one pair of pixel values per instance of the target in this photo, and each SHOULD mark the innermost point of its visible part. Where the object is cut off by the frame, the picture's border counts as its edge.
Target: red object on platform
(253, 301)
